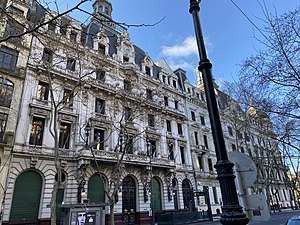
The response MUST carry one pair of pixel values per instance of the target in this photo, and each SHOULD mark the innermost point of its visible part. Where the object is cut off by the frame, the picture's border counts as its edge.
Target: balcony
(199, 149)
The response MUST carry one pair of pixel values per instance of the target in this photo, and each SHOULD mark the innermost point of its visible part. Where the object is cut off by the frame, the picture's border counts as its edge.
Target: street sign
(199, 193)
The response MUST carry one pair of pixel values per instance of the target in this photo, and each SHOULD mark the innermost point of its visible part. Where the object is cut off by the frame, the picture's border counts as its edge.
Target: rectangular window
(176, 104)
(148, 70)
(100, 106)
(43, 91)
(242, 149)
(202, 119)
(13, 28)
(200, 162)
(100, 74)
(47, 55)
(99, 136)
(166, 100)
(210, 166)
(233, 147)
(179, 126)
(71, 64)
(169, 128)
(68, 98)
(164, 79)
(193, 115)
(174, 84)
(8, 58)
(247, 138)
(152, 148)
(127, 85)
(3, 121)
(205, 141)
(215, 195)
(230, 131)
(149, 94)
(151, 122)
(129, 145)
(37, 131)
(16, 10)
(196, 138)
(182, 154)
(128, 114)
(171, 152)
(64, 135)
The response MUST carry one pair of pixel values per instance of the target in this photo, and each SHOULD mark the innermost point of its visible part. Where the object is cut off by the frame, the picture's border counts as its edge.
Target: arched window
(156, 192)
(128, 194)
(26, 197)
(6, 92)
(96, 189)
(188, 198)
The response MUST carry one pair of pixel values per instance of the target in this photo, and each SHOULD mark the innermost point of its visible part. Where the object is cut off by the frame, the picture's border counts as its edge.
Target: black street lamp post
(232, 213)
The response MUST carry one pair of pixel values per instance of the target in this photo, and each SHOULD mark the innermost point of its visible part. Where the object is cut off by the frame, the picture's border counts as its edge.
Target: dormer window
(106, 11)
(125, 59)
(148, 70)
(73, 36)
(101, 49)
(51, 26)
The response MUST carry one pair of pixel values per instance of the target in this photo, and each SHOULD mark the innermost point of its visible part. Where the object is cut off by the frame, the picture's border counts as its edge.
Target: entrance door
(188, 197)
(26, 197)
(128, 195)
(157, 206)
(96, 189)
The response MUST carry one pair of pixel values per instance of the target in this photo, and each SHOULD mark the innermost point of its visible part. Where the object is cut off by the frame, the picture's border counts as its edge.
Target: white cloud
(186, 48)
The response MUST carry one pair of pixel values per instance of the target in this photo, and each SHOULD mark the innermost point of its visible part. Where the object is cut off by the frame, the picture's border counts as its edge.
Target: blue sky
(229, 36)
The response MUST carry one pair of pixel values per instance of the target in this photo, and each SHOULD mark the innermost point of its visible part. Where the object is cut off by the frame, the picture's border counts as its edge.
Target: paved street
(278, 218)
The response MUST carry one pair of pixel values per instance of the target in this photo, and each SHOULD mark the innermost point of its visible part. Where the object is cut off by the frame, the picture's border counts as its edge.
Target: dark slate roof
(92, 30)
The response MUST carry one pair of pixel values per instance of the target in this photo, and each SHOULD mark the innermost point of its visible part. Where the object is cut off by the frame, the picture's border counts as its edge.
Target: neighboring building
(13, 61)
(99, 90)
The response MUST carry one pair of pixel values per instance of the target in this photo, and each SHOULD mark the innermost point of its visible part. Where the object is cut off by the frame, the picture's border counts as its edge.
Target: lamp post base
(232, 211)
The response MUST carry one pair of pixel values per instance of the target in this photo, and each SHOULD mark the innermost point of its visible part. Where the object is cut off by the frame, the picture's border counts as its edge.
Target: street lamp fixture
(232, 213)
(87, 130)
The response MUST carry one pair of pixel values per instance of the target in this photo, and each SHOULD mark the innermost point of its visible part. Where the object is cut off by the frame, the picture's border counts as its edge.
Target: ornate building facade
(95, 97)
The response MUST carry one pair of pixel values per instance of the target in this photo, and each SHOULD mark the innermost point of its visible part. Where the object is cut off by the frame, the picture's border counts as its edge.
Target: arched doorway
(26, 197)
(188, 197)
(156, 193)
(175, 193)
(96, 192)
(128, 195)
